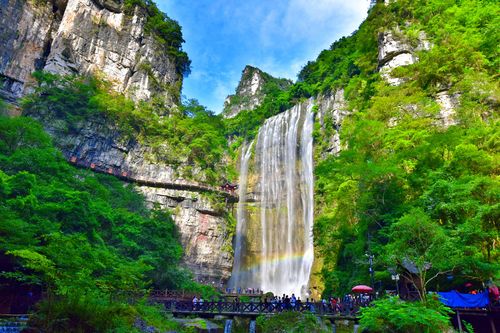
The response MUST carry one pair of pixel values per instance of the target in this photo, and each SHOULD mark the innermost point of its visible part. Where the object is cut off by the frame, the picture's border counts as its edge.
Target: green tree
(393, 315)
(422, 249)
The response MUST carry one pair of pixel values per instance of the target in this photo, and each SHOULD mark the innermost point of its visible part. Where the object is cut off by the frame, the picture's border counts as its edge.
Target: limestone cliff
(25, 31)
(201, 222)
(396, 50)
(100, 37)
(82, 37)
(250, 92)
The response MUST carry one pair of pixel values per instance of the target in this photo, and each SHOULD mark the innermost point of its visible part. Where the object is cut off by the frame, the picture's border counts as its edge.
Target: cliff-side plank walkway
(129, 177)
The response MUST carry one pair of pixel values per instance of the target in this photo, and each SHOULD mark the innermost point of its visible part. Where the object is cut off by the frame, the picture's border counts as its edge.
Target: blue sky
(277, 36)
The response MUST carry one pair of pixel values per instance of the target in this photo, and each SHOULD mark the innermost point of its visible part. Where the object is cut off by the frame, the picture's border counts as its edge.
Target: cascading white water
(284, 194)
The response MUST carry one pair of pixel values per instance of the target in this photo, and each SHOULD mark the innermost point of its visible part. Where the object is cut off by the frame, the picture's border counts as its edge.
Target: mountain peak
(250, 91)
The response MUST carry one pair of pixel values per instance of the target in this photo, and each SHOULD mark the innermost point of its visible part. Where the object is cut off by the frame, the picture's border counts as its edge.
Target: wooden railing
(346, 310)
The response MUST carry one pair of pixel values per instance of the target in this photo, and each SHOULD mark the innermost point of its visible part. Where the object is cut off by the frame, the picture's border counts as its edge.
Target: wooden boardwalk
(252, 310)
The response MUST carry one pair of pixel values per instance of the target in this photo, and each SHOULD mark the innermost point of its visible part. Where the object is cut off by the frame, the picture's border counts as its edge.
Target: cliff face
(81, 37)
(97, 37)
(394, 50)
(250, 92)
(25, 32)
(202, 224)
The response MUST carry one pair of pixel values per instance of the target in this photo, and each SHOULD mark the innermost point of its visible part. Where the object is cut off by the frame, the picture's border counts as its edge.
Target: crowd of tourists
(347, 305)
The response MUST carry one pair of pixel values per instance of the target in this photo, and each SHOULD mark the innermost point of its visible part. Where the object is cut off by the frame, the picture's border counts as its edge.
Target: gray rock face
(203, 232)
(447, 104)
(96, 37)
(249, 93)
(25, 32)
(394, 51)
(202, 227)
(84, 37)
(332, 109)
(111, 5)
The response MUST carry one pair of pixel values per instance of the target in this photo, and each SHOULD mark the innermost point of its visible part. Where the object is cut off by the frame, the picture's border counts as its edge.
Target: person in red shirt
(494, 294)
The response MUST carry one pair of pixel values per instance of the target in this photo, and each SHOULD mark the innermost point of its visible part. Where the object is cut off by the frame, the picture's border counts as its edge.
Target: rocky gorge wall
(201, 222)
(395, 50)
(97, 37)
(81, 37)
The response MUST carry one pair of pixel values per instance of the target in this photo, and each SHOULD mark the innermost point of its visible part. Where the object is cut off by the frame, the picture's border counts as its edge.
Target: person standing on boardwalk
(293, 301)
(195, 302)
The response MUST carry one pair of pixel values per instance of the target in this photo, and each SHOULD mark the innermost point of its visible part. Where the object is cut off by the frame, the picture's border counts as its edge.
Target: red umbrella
(468, 284)
(362, 289)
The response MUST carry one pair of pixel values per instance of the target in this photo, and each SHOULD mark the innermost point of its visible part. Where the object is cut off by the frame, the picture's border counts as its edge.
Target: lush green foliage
(3, 106)
(191, 137)
(92, 313)
(278, 95)
(166, 31)
(406, 187)
(82, 237)
(291, 322)
(402, 171)
(392, 315)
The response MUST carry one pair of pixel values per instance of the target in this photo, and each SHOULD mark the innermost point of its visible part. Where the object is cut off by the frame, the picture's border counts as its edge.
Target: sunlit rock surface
(395, 50)
(332, 109)
(203, 231)
(81, 37)
(448, 104)
(250, 91)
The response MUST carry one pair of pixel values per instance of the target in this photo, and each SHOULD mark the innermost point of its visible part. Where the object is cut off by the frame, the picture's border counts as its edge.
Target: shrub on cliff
(166, 31)
(191, 136)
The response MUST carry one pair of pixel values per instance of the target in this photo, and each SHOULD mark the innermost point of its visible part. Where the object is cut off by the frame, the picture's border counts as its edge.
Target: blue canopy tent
(454, 299)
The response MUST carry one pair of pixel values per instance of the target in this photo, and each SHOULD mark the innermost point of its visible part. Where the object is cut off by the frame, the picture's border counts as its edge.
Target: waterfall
(252, 326)
(228, 326)
(274, 245)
